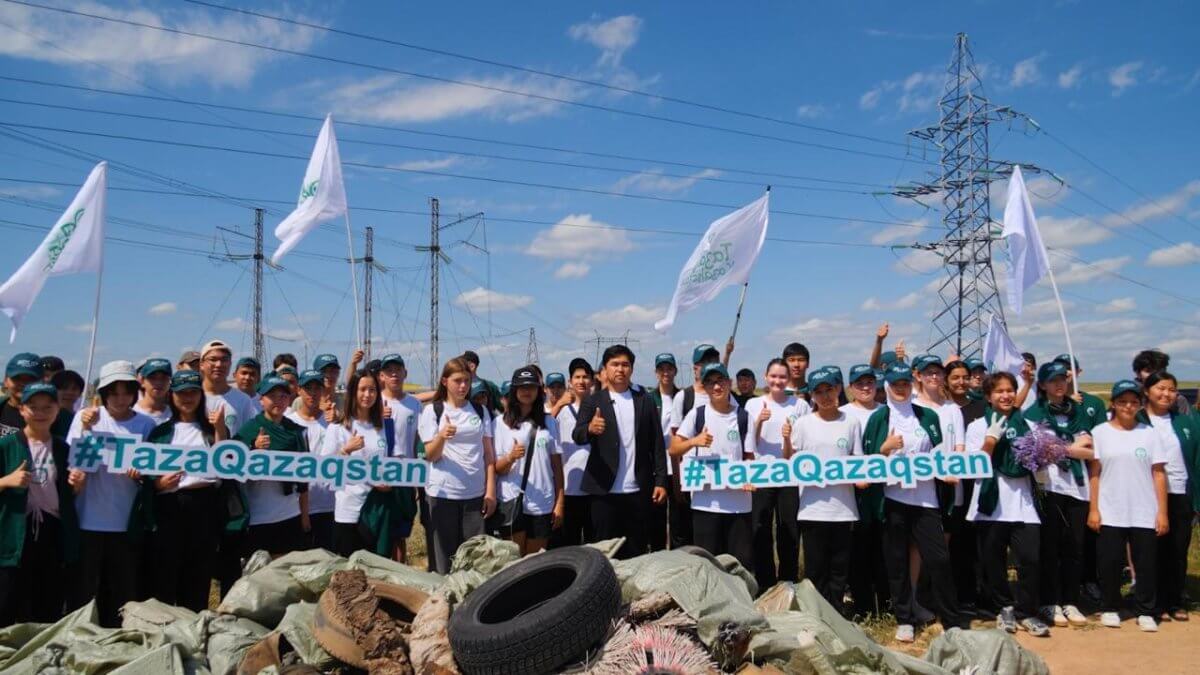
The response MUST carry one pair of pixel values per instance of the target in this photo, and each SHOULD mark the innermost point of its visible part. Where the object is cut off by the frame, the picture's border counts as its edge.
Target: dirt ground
(1096, 650)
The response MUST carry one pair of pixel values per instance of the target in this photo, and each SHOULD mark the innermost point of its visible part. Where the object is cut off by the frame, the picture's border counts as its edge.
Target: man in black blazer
(627, 468)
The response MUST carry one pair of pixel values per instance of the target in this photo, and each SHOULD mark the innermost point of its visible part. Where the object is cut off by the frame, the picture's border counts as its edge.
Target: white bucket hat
(116, 371)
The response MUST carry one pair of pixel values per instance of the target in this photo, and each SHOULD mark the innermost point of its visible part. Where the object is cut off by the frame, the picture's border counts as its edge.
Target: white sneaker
(1054, 614)
(1147, 624)
(905, 633)
(1073, 615)
(1110, 620)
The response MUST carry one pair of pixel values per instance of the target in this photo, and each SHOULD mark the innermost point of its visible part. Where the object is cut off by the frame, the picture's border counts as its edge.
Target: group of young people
(564, 458)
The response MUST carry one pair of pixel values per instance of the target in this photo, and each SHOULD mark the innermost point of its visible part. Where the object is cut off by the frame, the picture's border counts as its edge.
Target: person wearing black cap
(1065, 503)
(721, 519)
(627, 470)
(246, 374)
(37, 513)
(22, 369)
(188, 511)
(154, 380)
(321, 501)
(51, 366)
(577, 525)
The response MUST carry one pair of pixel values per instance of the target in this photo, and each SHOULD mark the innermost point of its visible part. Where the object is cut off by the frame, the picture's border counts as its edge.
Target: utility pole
(368, 263)
(259, 344)
(531, 351)
(435, 253)
(968, 294)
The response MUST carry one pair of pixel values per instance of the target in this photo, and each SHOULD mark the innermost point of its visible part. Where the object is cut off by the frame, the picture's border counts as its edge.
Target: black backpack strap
(743, 418)
(699, 418)
(439, 408)
(689, 402)
(478, 410)
(574, 412)
(529, 448)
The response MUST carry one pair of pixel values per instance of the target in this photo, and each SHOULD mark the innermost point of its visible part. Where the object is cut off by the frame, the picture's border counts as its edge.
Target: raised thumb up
(263, 440)
(596, 426)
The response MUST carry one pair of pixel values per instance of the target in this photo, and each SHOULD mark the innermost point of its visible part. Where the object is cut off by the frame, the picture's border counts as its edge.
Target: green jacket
(870, 500)
(384, 512)
(61, 425)
(1094, 409)
(287, 436)
(1187, 430)
(14, 449)
(1079, 421)
(1003, 461)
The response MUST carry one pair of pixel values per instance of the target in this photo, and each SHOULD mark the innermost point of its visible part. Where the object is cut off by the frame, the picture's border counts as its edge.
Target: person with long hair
(577, 523)
(529, 463)
(38, 527)
(1128, 506)
(1180, 437)
(774, 415)
(461, 489)
(1004, 510)
(1065, 503)
(115, 509)
(188, 511)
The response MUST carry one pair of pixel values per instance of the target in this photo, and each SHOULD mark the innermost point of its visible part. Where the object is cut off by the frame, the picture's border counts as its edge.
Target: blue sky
(1116, 82)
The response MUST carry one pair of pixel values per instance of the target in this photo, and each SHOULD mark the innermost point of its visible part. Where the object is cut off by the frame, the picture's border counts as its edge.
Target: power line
(447, 80)
(434, 134)
(401, 146)
(1123, 277)
(445, 174)
(557, 76)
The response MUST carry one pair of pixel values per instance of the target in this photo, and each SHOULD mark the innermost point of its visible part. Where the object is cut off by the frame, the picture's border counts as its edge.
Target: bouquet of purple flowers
(1039, 448)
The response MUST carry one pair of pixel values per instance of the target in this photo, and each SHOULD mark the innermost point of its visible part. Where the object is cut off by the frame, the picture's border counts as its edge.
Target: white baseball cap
(213, 346)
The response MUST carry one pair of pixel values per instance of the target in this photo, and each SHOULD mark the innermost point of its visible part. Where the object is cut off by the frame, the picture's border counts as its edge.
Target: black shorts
(277, 538)
(534, 527)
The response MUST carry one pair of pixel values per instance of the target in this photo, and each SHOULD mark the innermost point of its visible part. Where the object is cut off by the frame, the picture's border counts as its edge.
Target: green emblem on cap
(309, 190)
(62, 237)
(1140, 453)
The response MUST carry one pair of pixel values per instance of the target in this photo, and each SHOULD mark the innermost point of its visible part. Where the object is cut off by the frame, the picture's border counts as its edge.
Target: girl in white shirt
(526, 444)
(1128, 505)
(868, 578)
(577, 521)
(461, 489)
(360, 433)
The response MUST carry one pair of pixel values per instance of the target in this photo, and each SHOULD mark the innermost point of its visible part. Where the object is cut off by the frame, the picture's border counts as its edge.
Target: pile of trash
(571, 610)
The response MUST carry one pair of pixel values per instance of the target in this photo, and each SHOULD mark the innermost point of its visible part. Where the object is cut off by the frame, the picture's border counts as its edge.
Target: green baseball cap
(285, 368)
(477, 388)
(504, 387)
(705, 351)
(710, 368)
(309, 376)
(924, 361)
(324, 361)
(823, 376)
(898, 372)
(152, 366)
(25, 363)
(272, 382)
(1125, 386)
(185, 380)
(391, 358)
(975, 364)
(248, 361)
(1066, 360)
(888, 358)
(39, 388)
(665, 357)
(553, 379)
(1051, 370)
(860, 371)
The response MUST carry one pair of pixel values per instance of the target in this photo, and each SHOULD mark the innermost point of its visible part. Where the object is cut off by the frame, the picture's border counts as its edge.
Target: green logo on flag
(309, 190)
(61, 238)
(712, 265)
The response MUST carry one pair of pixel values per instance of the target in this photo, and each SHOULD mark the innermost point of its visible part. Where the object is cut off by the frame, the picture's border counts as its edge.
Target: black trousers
(348, 538)
(1064, 522)
(921, 526)
(452, 521)
(776, 533)
(731, 533)
(622, 515)
(1110, 560)
(996, 541)
(427, 525)
(1173, 554)
(36, 590)
(231, 546)
(963, 554)
(868, 574)
(185, 546)
(827, 548)
(108, 572)
(679, 517)
(8, 577)
(577, 523)
(656, 528)
(322, 530)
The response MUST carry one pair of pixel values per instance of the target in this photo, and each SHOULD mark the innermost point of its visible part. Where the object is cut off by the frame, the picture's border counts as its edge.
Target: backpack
(689, 402)
(439, 408)
(743, 420)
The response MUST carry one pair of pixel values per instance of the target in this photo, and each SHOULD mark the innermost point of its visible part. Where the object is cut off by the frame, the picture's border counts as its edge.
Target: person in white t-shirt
(110, 536)
(187, 509)
(577, 520)
(401, 411)
(826, 515)
(773, 416)
(868, 578)
(721, 519)
(154, 380)
(686, 400)
(1128, 506)
(360, 433)
(528, 463)
(1180, 435)
(321, 501)
(663, 395)
(461, 489)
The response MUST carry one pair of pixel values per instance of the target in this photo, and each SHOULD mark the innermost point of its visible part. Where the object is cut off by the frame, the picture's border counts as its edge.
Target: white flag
(1027, 256)
(74, 244)
(999, 352)
(724, 257)
(322, 194)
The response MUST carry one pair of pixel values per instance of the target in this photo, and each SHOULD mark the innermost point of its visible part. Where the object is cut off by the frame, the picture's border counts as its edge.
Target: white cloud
(1161, 207)
(429, 164)
(572, 270)
(162, 309)
(919, 92)
(870, 98)
(480, 299)
(613, 37)
(29, 191)
(811, 111)
(918, 261)
(141, 52)
(390, 98)
(1124, 76)
(893, 233)
(908, 301)
(1074, 272)
(871, 304)
(630, 317)
(79, 327)
(1069, 78)
(579, 237)
(1117, 306)
(1185, 253)
(1026, 72)
(652, 181)
(285, 334)
(234, 324)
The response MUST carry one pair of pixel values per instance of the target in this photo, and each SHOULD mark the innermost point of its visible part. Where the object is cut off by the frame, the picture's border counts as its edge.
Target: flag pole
(353, 282)
(1062, 314)
(738, 319)
(87, 381)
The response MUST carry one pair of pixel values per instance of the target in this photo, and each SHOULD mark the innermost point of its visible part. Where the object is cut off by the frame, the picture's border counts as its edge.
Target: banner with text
(805, 470)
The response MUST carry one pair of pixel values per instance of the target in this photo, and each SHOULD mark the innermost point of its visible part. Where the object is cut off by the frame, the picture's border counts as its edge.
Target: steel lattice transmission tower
(968, 294)
(531, 350)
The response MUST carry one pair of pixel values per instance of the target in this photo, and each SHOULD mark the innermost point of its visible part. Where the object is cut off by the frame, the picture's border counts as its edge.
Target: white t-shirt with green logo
(1015, 498)
(575, 456)
(1127, 496)
(837, 438)
(320, 495)
(539, 492)
(1177, 475)
(728, 444)
(460, 472)
(405, 413)
(239, 409)
(349, 500)
(770, 439)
